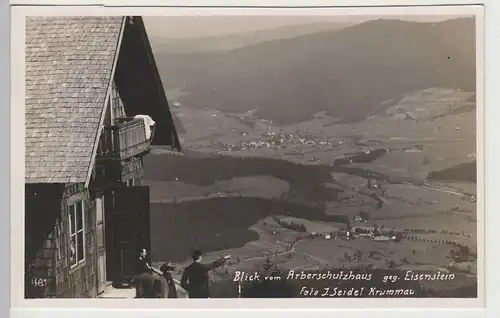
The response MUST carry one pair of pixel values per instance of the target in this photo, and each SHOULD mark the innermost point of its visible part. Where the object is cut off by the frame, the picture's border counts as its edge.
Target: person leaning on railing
(145, 282)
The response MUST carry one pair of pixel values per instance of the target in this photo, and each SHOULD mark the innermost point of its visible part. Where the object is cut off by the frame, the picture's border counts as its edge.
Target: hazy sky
(205, 26)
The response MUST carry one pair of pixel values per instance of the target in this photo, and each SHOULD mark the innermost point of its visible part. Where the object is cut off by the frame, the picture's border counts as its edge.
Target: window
(77, 233)
(130, 182)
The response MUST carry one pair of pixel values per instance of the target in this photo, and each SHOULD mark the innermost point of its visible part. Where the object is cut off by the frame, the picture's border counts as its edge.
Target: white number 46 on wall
(39, 282)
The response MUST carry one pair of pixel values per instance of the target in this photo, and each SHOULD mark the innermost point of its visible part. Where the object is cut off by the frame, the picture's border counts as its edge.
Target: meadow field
(410, 167)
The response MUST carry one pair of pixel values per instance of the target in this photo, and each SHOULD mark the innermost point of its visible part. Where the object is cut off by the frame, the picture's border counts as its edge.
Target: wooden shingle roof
(69, 62)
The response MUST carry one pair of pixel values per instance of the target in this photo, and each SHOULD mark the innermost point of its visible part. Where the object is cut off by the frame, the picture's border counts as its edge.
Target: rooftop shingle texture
(69, 62)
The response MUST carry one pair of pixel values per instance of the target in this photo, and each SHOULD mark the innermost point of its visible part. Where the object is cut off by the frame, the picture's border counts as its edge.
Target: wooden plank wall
(42, 207)
(52, 257)
(52, 260)
(81, 281)
(40, 282)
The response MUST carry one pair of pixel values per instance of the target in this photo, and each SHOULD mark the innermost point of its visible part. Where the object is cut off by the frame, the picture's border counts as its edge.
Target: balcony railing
(125, 139)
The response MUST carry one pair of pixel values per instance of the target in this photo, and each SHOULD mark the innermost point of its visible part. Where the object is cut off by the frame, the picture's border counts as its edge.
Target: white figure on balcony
(149, 125)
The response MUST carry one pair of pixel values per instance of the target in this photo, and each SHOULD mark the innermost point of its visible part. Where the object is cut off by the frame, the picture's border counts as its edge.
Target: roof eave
(105, 106)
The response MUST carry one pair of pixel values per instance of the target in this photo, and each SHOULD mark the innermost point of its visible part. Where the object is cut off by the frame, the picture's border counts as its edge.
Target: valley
(334, 156)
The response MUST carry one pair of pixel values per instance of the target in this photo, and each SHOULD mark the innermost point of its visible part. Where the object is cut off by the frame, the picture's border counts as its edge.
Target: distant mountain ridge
(235, 41)
(347, 72)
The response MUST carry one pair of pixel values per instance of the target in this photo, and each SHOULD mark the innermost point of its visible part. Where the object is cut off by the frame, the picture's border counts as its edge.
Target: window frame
(73, 231)
(130, 182)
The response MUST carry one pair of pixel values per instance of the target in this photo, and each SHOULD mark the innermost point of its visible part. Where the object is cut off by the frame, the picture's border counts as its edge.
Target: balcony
(125, 139)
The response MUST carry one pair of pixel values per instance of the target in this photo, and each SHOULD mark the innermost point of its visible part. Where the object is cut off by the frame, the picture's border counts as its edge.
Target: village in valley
(358, 213)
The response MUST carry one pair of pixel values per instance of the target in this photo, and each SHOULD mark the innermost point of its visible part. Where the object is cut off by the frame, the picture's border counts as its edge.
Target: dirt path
(290, 250)
(443, 190)
(196, 198)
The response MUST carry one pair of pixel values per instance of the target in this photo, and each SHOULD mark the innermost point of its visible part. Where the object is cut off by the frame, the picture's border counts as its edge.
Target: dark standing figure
(195, 277)
(144, 280)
